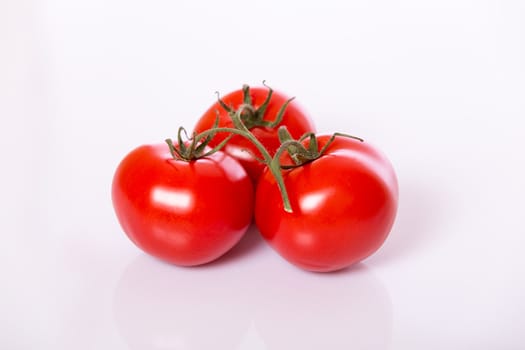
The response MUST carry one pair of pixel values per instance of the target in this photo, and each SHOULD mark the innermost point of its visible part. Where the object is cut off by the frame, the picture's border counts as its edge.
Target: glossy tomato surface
(294, 118)
(344, 205)
(183, 212)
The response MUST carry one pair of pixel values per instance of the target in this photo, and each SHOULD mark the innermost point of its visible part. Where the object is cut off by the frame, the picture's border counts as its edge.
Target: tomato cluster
(323, 202)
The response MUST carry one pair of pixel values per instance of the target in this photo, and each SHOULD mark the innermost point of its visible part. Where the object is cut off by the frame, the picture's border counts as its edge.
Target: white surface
(438, 85)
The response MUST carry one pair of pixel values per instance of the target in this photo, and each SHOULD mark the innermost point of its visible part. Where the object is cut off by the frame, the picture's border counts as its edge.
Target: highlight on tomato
(185, 204)
(262, 111)
(343, 198)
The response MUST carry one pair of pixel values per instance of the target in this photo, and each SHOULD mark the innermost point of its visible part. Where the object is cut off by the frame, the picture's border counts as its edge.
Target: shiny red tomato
(258, 117)
(184, 212)
(344, 204)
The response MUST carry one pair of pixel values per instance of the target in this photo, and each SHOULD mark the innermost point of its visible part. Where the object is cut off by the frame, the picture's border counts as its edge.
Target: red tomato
(239, 147)
(344, 204)
(184, 212)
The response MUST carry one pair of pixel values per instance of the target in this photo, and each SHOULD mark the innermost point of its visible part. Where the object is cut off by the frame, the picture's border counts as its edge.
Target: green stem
(272, 164)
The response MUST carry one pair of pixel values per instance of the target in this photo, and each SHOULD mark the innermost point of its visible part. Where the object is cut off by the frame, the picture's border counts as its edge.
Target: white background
(439, 86)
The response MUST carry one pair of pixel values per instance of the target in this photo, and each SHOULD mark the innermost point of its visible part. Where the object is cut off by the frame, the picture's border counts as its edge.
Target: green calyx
(195, 147)
(252, 116)
(298, 152)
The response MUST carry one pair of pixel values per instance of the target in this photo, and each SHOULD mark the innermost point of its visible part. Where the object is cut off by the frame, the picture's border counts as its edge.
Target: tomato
(184, 212)
(257, 116)
(344, 204)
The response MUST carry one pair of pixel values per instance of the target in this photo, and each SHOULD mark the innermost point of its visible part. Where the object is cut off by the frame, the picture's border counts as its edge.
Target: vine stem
(268, 160)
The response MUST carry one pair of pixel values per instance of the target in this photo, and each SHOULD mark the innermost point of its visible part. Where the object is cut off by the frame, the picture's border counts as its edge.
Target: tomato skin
(185, 213)
(294, 118)
(344, 205)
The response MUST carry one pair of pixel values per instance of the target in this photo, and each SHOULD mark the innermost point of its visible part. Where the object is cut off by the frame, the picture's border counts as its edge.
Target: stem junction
(252, 116)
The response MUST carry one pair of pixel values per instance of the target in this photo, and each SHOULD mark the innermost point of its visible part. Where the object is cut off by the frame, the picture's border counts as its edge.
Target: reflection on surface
(160, 306)
(345, 310)
(262, 305)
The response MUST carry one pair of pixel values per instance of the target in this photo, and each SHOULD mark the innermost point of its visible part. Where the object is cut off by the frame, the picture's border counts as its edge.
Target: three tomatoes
(192, 211)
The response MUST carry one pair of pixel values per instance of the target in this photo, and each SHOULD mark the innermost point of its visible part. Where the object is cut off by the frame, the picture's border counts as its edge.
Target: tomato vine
(244, 118)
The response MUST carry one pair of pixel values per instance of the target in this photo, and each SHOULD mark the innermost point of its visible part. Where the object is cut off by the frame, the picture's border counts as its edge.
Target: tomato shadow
(247, 247)
(353, 269)
(420, 217)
